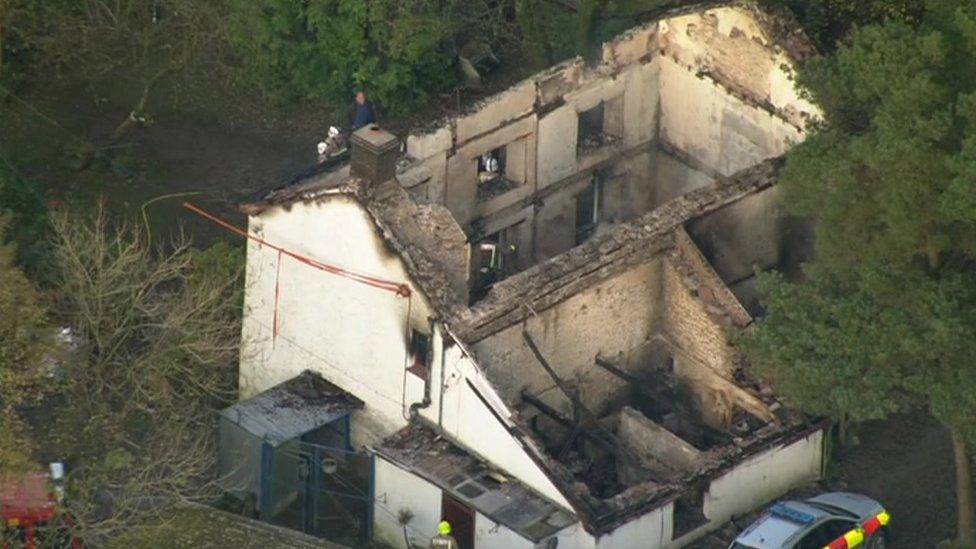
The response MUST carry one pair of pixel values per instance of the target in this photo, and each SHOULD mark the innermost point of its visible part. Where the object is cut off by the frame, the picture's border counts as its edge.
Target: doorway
(461, 518)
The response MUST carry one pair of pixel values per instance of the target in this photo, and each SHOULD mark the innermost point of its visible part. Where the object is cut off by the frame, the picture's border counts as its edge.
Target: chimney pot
(374, 153)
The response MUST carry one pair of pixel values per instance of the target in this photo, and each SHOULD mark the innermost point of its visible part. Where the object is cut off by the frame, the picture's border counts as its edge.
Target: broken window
(588, 210)
(501, 170)
(419, 351)
(491, 175)
(493, 256)
(689, 511)
(590, 126)
(599, 125)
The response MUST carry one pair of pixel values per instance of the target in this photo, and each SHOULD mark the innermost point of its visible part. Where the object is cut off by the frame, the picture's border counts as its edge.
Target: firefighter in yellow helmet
(443, 539)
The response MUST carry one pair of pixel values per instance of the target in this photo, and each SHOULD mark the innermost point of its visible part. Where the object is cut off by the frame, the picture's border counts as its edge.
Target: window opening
(588, 210)
(419, 352)
(491, 175)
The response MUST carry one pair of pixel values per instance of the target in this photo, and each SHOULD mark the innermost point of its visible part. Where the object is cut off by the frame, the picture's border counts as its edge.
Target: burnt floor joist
(619, 449)
(662, 399)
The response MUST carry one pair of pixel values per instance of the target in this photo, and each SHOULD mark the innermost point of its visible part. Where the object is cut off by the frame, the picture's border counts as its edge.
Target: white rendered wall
(715, 128)
(355, 335)
(396, 490)
(489, 534)
(650, 531)
(352, 334)
(465, 418)
(764, 477)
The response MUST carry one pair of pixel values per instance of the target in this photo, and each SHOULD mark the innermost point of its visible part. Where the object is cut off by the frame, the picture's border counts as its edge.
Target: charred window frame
(419, 354)
(600, 125)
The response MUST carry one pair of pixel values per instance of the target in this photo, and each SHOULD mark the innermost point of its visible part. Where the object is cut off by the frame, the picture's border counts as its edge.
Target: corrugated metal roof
(292, 408)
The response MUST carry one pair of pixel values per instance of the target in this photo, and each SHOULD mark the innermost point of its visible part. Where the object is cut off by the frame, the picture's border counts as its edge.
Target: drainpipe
(423, 404)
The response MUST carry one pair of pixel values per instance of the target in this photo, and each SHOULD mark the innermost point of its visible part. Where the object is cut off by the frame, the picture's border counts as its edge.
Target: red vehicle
(29, 511)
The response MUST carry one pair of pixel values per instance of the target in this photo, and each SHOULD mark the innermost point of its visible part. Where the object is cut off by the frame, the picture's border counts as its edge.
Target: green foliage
(14, 54)
(399, 52)
(829, 21)
(27, 227)
(870, 342)
(25, 336)
(549, 34)
(23, 329)
(553, 30)
(886, 318)
(220, 264)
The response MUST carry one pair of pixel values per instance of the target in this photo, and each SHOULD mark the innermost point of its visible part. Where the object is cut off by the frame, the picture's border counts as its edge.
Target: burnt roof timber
(594, 436)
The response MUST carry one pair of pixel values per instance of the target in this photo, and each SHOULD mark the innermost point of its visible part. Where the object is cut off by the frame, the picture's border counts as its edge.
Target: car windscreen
(832, 509)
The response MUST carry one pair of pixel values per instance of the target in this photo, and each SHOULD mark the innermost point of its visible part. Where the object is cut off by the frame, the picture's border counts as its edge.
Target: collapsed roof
(598, 458)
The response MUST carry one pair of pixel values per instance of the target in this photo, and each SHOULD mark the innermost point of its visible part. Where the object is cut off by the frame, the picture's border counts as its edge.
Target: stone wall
(611, 319)
(687, 98)
(660, 451)
(753, 233)
(736, 48)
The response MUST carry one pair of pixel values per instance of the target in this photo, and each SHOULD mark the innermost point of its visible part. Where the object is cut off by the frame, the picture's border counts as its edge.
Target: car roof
(775, 528)
(858, 505)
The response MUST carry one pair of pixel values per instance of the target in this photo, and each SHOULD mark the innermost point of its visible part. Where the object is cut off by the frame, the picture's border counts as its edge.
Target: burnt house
(534, 302)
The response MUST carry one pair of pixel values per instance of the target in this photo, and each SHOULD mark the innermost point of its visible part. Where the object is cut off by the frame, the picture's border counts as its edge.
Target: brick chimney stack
(374, 153)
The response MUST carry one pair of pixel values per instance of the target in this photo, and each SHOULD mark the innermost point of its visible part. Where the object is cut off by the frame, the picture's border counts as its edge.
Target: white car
(838, 520)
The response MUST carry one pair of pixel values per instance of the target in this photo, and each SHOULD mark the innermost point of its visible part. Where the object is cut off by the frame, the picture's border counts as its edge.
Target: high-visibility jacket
(443, 542)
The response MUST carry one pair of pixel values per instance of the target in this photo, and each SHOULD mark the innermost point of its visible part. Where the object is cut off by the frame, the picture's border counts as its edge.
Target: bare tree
(158, 348)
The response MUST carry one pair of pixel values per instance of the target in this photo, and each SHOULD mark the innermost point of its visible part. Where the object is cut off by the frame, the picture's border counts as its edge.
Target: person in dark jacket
(361, 113)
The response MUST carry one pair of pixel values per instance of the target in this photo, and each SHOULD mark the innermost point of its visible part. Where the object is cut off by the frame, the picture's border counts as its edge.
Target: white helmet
(333, 131)
(322, 147)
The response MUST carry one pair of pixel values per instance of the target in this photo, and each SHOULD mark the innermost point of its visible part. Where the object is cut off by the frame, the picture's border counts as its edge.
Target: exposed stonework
(578, 309)
(604, 255)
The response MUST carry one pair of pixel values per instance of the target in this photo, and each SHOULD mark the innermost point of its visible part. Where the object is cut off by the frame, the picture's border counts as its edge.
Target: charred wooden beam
(656, 387)
(571, 395)
(559, 418)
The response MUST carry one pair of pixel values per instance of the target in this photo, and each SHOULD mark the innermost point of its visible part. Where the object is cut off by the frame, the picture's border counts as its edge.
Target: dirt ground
(906, 464)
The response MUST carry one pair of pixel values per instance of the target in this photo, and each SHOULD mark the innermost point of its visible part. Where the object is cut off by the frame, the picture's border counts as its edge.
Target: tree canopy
(886, 319)
(399, 51)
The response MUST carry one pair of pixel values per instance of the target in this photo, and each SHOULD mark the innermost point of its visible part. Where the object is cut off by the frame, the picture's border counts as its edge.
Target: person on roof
(361, 113)
(443, 539)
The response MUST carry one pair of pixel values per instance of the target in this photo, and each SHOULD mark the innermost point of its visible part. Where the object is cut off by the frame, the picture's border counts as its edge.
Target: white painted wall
(650, 531)
(352, 334)
(398, 489)
(714, 127)
(355, 335)
(489, 534)
(764, 477)
(466, 419)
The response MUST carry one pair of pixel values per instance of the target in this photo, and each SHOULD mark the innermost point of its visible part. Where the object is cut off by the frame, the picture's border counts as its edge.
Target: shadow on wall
(753, 233)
